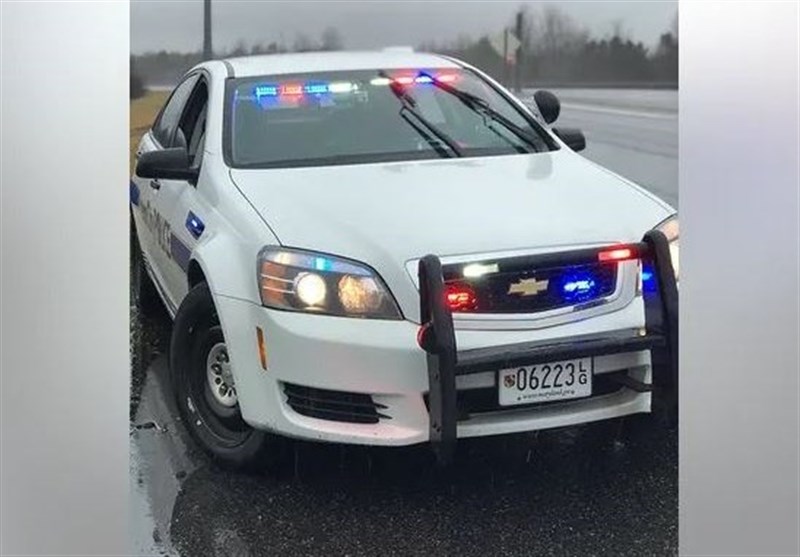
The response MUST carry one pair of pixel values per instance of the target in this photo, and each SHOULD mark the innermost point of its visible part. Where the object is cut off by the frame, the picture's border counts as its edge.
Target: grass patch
(143, 112)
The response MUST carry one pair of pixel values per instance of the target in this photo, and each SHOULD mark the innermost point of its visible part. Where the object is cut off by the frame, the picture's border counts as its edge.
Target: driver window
(166, 125)
(193, 124)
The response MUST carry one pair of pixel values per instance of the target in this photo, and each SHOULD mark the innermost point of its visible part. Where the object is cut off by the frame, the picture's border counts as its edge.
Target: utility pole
(208, 53)
(505, 57)
(518, 57)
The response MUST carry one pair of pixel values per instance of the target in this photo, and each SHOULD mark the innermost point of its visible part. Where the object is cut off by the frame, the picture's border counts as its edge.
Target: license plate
(545, 382)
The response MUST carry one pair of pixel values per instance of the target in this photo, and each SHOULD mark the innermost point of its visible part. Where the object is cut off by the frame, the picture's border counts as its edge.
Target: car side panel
(151, 229)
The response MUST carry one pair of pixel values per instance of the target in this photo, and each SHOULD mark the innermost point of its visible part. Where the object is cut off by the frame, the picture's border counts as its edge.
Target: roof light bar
(341, 87)
(308, 88)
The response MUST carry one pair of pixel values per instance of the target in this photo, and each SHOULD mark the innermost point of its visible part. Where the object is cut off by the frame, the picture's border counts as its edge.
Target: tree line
(555, 51)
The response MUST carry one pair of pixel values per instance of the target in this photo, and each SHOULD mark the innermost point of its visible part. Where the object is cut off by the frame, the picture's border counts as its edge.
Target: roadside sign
(505, 43)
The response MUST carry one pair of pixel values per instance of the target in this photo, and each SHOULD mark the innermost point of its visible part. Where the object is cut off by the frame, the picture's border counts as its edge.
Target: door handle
(155, 184)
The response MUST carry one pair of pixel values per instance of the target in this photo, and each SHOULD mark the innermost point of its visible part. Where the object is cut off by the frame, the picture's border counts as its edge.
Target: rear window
(355, 117)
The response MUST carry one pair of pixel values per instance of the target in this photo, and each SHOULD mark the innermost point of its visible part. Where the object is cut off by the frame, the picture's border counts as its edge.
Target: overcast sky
(178, 24)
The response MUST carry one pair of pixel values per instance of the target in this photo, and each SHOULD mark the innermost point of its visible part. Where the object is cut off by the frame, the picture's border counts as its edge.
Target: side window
(167, 123)
(192, 126)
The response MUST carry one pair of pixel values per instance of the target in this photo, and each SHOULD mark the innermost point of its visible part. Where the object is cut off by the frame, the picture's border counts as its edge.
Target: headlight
(316, 283)
(670, 229)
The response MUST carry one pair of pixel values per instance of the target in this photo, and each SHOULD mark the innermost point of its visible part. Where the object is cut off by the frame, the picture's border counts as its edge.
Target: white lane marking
(620, 112)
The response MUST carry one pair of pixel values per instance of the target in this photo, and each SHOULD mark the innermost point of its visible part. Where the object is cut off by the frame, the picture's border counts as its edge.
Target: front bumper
(383, 360)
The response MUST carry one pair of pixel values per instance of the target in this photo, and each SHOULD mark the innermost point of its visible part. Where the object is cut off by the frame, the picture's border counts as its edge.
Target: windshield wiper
(410, 107)
(481, 106)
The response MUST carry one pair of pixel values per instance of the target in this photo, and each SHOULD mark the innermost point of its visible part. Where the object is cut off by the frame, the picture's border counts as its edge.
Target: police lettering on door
(158, 226)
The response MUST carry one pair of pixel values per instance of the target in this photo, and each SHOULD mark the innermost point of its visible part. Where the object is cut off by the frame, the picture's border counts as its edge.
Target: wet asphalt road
(601, 489)
(632, 132)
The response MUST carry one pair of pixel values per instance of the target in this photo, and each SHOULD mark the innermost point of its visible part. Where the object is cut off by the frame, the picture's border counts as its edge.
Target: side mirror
(548, 104)
(170, 164)
(573, 137)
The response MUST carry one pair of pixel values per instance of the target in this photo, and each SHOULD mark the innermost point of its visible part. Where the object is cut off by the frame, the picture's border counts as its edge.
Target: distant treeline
(555, 51)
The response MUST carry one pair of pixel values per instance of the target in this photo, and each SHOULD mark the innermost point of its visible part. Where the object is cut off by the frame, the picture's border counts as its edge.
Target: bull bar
(445, 362)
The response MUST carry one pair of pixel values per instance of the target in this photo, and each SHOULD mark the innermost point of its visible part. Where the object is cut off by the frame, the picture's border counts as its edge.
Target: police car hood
(388, 215)
(395, 212)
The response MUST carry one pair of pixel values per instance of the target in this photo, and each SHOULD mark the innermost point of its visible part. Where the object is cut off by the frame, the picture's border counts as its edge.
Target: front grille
(533, 290)
(337, 406)
(483, 400)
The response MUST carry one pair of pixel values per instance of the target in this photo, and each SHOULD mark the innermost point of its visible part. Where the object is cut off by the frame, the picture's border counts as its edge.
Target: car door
(178, 202)
(153, 231)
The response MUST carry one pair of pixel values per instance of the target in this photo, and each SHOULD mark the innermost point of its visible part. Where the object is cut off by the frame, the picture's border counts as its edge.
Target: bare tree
(239, 49)
(137, 86)
(331, 39)
(303, 43)
(619, 31)
(556, 33)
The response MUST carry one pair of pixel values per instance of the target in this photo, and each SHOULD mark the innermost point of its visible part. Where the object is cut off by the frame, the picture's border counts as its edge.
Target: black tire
(143, 292)
(219, 431)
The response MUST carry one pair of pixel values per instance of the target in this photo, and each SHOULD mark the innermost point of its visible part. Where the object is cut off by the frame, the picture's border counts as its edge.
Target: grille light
(619, 254)
(461, 297)
(648, 278)
(576, 287)
(475, 270)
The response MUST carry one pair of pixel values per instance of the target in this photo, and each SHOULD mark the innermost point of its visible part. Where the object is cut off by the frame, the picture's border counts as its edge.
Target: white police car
(388, 248)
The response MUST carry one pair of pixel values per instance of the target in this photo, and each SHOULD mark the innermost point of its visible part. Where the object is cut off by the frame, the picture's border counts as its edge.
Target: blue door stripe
(180, 252)
(134, 192)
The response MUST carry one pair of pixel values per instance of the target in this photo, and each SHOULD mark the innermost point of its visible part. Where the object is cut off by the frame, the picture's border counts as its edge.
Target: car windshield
(350, 117)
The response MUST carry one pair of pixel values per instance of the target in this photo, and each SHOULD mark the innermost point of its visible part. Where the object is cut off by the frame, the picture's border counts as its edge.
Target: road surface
(604, 489)
(632, 132)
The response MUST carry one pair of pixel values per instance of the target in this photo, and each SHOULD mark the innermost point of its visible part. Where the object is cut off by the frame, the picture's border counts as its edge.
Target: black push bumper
(445, 361)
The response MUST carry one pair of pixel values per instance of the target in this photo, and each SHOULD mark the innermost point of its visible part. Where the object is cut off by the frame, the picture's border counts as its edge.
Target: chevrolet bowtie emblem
(528, 287)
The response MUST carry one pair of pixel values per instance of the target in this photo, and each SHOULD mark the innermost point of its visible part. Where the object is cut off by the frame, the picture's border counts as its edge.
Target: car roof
(302, 62)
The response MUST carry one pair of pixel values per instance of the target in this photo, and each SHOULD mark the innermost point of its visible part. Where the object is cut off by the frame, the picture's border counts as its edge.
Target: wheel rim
(214, 415)
(219, 376)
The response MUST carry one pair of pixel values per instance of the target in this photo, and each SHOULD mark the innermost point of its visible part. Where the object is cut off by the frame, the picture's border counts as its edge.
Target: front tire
(204, 389)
